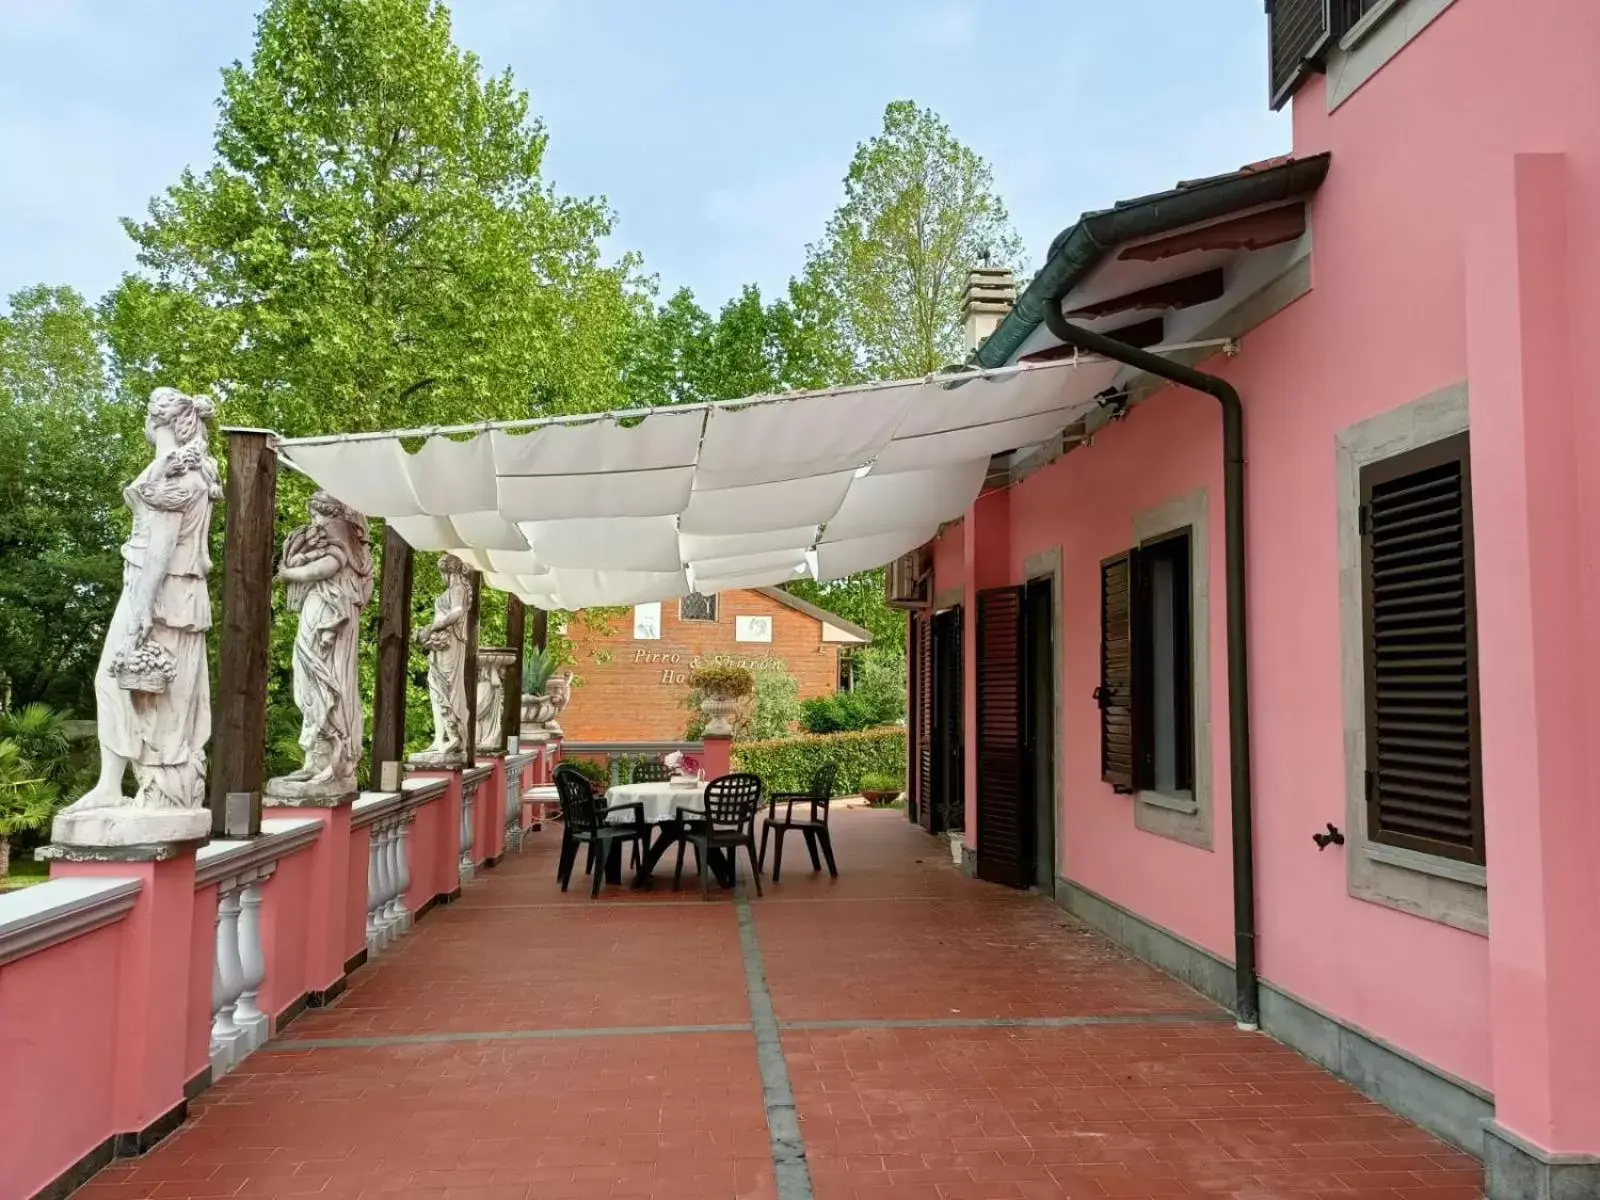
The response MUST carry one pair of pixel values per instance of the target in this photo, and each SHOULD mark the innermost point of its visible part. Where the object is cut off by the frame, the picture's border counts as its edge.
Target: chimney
(991, 293)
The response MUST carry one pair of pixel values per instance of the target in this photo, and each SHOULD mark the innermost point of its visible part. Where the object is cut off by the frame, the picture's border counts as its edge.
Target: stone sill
(220, 859)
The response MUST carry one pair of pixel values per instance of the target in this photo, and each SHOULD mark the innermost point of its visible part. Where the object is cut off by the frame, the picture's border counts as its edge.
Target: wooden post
(516, 638)
(472, 669)
(394, 655)
(541, 628)
(239, 713)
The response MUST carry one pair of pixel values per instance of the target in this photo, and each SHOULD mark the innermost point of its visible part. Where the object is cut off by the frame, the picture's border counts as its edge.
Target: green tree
(919, 210)
(62, 443)
(374, 245)
(37, 770)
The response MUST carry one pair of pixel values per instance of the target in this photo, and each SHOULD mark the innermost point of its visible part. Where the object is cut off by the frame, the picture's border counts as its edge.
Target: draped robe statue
(445, 640)
(327, 564)
(152, 687)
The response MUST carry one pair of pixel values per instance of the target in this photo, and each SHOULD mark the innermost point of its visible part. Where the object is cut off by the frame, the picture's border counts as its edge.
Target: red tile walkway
(525, 1045)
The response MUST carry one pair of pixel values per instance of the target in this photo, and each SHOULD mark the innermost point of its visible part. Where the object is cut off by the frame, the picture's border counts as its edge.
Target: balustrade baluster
(374, 889)
(392, 904)
(467, 805)
(227, 981)
(403, 862)
(247, 1014)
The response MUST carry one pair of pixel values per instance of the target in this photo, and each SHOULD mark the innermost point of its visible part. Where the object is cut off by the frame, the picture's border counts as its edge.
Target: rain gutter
(1247, 992)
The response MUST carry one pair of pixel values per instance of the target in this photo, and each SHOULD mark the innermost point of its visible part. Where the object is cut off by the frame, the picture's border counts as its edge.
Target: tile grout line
(845, 1024)
(790, 1171)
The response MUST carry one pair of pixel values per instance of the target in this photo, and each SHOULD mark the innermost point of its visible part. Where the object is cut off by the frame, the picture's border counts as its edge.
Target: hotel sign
(677, 664)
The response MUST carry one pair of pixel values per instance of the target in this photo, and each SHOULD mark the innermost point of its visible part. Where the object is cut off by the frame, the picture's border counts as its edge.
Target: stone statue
(445, 640)
(492, 664)
(327, 564)
(152, 689)
(559, 690)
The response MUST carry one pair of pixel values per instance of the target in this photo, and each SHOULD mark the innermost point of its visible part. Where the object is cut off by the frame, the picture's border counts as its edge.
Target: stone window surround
(1371, 42)
(1186, 817)
(1424, 885)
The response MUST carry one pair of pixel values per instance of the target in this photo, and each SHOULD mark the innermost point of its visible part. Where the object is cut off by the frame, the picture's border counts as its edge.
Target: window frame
(1182, 816)
(716, 609)
(1144, 668)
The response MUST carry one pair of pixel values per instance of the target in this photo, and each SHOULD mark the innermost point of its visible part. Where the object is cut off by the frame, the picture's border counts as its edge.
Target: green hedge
(787, 764)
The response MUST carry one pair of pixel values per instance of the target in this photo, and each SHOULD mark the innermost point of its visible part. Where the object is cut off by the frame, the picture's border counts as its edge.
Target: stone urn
(539, 712)
(719, 712)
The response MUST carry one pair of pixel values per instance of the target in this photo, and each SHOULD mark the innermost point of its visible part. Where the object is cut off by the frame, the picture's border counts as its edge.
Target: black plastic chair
(725, 821)
(585, 822)
(651, 770)
(811, 821)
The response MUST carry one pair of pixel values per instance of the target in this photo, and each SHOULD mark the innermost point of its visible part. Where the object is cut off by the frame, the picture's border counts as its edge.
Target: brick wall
(634, 691)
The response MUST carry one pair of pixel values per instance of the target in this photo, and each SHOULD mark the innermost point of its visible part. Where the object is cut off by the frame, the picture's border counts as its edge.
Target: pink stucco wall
(1422, 159)
(64, 1048)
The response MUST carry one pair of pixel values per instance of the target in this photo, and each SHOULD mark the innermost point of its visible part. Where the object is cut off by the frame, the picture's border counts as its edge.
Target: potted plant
(721, 689)
(537, 706)
(880, 790)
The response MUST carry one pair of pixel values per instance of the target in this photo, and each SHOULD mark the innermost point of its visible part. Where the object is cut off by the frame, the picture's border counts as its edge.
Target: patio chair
(651, 770)
(584, 822)
(811, 821)
(725, 821)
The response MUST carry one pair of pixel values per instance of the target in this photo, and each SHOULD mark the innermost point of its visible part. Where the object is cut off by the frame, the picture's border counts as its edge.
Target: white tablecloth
(661, 800)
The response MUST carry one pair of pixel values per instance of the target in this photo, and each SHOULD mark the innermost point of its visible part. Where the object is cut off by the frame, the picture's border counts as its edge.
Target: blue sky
(718, 129)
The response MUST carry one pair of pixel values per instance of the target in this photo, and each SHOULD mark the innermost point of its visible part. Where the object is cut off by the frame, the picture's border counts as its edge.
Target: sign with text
(677, 664)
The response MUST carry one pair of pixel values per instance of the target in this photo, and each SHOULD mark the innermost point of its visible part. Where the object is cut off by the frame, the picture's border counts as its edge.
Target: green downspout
(1247, 992)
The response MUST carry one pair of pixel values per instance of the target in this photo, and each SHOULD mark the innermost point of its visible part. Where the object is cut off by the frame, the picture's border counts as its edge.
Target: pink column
(718, 757)
(986, 550)
(491, 814)
(329, 897)
(154, 993)
(444, 837)
(1537, 545)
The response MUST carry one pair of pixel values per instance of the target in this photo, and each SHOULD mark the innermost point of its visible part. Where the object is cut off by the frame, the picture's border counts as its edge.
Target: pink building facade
(1407, 299)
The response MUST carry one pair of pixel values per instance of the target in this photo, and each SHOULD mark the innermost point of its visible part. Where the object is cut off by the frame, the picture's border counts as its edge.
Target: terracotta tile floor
(596, 1075)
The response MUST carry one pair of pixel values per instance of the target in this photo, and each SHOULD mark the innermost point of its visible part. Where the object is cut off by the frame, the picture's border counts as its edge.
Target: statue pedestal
(302, 793)
(123, 827)
(159, 980)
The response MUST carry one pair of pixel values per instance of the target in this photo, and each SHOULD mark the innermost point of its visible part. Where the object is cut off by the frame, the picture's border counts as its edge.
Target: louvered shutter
(1003, 770)
(1424, 786)
(923, 627)
(1118, 747)
(1298, 34)
(953, 767)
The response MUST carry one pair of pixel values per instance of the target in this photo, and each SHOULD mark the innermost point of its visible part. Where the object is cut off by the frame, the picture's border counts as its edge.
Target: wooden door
(1005, 776)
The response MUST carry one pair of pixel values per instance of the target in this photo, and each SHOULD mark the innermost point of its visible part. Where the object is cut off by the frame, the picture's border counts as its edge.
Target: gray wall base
(1446, 1106)
(1516, 1170)
(969, 862)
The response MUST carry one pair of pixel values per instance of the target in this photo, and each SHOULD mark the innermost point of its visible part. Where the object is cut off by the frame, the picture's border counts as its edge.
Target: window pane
(1163, 653)
(695, 607)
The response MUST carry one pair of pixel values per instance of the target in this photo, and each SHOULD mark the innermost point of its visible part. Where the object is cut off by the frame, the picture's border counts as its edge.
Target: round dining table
(660, 803)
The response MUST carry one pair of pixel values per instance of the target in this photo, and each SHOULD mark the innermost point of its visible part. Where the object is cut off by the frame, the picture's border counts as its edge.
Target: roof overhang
(1167, 268)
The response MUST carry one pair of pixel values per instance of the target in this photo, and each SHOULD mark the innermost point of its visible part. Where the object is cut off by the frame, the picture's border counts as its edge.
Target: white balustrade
(515, 769)
(227, 981)
(469, 797)
(247, 1014)
(388, 867)
(239, 869)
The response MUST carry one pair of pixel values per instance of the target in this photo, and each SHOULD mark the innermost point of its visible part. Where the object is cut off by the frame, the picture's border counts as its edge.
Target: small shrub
(881, 781)
(592, 769)
(787, 764)
(840, 713)
(725, 683)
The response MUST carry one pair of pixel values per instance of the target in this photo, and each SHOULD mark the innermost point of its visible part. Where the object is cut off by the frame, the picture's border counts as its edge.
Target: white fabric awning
(630, 508)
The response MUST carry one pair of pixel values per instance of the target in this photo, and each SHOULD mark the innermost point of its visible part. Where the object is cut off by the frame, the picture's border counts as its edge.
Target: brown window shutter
(1298, 35)
(1424, 782)
(1118, 749)
(923, 717)
(1004, 784)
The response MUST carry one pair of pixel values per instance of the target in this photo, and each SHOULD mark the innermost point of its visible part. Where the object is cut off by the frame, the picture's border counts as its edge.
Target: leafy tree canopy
(374, 245)
(919, 210)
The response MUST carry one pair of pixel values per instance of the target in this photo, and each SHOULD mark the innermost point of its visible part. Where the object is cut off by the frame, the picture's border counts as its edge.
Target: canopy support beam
(394, 657)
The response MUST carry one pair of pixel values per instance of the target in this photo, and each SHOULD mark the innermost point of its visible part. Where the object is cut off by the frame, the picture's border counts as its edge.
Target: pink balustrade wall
(102, 1032)
(1438, 256)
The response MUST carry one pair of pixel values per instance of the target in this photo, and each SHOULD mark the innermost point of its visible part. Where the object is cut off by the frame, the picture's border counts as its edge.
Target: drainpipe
(1247, 997)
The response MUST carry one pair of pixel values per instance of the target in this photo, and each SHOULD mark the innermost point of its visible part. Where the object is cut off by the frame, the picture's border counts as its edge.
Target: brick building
(634, 675)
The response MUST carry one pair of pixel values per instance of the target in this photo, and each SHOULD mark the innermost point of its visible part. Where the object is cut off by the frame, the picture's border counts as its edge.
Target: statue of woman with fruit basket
(152, 688)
